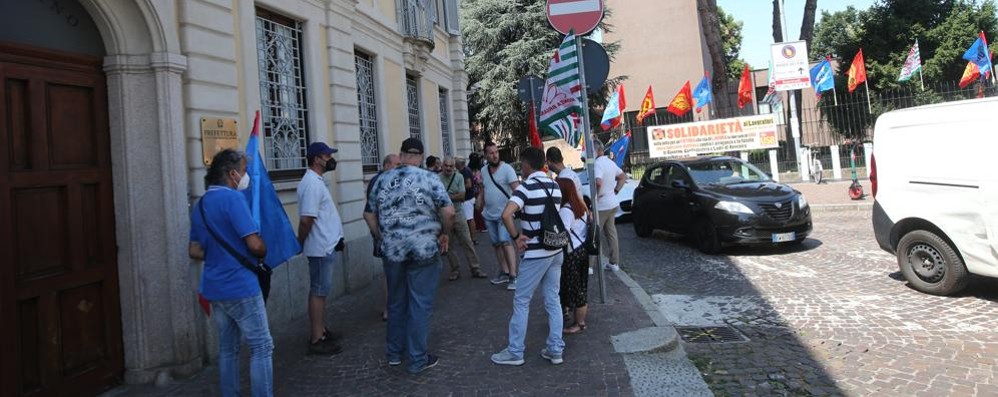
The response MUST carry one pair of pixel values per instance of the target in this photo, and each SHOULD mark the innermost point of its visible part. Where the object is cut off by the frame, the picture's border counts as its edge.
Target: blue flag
(822, 77)
(978, 54)
(266, 207)
(702, 93)
(619, 149)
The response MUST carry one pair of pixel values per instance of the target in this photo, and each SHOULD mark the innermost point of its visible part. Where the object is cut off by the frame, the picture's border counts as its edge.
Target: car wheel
(930, 264)
(642, 228)
(705, 236)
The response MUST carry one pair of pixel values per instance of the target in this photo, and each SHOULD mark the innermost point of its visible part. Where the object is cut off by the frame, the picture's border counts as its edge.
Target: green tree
(885, 32)
(505, 40)
(731, 36)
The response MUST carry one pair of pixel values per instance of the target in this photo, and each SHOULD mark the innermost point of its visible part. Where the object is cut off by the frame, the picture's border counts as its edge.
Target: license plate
(784, 237)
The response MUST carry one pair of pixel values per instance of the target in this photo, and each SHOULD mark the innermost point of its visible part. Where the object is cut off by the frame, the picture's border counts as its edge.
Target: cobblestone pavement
(833, 317)
(469, 324)
(832, 192)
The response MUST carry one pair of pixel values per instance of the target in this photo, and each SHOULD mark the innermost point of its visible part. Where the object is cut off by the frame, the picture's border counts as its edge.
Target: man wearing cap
(320, 232)
(411, 215)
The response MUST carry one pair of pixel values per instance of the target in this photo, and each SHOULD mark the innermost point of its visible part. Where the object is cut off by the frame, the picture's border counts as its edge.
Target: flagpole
(869, 107)
(590, 162)
(920, 79)
(835, 93)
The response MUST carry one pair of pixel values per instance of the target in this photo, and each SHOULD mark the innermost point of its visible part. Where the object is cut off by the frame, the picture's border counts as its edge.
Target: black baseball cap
(412, 146)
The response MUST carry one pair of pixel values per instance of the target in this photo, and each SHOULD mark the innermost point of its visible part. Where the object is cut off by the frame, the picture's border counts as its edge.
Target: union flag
(647, 106)
(682, 102)
(857, 71)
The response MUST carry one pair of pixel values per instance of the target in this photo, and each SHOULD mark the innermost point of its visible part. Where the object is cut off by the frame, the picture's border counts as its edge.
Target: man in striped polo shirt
(540, 267)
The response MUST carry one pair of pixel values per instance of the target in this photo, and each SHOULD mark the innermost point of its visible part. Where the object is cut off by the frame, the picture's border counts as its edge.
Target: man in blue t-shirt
(411, 215)
(224, 235)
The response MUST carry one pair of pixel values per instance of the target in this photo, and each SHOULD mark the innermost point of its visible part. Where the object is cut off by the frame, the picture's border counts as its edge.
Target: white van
(934, 176)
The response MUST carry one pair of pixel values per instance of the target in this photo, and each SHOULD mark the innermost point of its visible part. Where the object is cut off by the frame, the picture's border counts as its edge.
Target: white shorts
(468, 207)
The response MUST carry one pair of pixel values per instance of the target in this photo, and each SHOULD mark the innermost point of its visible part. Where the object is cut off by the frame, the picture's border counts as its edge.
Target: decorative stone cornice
(416, 53)
(156, 61)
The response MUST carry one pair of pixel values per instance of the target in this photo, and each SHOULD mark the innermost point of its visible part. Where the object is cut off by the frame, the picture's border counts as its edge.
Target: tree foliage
(505, 40)
(731, 36)
(886, 32)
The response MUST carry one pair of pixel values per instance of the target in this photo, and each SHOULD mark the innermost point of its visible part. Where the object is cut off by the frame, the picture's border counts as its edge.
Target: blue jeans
(320, 274)
(412, 287)
(546, 273)
(497, 232)
(244, 319)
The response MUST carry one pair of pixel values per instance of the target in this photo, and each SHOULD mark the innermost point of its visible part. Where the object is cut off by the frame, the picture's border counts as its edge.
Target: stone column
(836, 162)
(867, 153)
(157, 286)
(459, 100)
(774, 165)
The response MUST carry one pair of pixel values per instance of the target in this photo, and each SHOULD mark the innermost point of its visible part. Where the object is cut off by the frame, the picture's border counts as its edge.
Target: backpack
(554, 234)
(591, 243)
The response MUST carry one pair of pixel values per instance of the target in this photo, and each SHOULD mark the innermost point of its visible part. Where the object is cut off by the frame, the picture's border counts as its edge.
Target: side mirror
(679, 185)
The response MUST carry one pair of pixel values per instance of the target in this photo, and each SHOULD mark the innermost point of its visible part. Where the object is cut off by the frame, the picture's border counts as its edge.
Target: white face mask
(243, 182)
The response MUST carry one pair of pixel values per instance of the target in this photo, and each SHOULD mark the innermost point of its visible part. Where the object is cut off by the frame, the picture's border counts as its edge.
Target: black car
(717, 200)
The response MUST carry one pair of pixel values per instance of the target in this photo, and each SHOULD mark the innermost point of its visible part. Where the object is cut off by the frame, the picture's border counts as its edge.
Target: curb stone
(822, 208)
(655, 360)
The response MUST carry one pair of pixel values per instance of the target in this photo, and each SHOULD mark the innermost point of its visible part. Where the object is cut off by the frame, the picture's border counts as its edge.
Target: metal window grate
(415, 122)
(445, 123)
(369, 152)
(718, 334)
(284, 111)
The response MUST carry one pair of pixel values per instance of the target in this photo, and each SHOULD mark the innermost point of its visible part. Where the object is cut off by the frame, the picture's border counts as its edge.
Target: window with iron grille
(415, 122)
(445, 122)
(284, 112)
(368, 109)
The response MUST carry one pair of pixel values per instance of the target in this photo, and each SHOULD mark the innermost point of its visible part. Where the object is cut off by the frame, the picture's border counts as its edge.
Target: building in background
(103, 108)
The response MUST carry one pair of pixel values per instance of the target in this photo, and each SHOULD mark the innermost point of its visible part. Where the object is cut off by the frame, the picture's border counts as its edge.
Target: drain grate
(719, 334)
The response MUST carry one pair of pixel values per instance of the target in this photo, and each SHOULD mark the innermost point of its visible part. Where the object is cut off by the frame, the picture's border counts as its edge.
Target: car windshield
(725, 172)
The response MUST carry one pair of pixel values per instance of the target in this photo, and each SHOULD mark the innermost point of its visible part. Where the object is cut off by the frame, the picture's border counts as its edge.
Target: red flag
(745, 89)
(647, 106)
(682, 102)
(857, 71)
(535, 137)
(971, 73)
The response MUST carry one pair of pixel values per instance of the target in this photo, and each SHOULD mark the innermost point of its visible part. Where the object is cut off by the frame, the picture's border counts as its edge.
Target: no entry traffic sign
(580, 16)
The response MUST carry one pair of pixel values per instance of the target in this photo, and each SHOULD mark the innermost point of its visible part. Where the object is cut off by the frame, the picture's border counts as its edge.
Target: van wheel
(930, 264)
(705, 236)
(642, 228)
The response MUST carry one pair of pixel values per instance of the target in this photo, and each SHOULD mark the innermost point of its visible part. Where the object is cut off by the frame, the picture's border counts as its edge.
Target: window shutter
(452, 7)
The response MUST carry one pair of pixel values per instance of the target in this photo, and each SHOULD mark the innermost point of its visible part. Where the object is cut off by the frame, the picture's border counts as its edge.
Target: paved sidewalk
(469, 324)
(835, 194)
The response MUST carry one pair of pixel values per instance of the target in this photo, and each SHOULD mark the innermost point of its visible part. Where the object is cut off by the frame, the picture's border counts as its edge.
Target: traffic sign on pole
(580, 16)
(791, 70)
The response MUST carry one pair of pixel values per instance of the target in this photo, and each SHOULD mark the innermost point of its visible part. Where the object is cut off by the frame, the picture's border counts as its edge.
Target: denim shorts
(320, 272)
(497, 232)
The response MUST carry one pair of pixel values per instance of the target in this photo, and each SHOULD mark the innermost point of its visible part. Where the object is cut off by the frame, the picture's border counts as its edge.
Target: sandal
(578, 329)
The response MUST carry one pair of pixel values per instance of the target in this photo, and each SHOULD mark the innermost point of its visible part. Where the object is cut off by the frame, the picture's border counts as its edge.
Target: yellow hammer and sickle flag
(647, 106)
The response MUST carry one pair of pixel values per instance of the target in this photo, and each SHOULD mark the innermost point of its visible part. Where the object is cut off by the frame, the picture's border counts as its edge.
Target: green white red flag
(561, 107)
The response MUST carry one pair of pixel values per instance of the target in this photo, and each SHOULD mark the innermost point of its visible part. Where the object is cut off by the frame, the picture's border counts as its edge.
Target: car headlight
(733, 207)
(801, 201)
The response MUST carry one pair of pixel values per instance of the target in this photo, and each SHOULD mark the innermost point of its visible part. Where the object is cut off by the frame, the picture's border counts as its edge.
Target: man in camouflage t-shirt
(411, 215)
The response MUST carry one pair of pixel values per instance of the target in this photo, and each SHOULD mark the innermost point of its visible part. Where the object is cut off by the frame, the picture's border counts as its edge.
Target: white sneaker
(611, 266)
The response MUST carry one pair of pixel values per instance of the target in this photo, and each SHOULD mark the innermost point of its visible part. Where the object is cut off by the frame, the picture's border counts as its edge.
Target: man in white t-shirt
(556, 163)
(609, 180)
(499, 181)
(320, 232)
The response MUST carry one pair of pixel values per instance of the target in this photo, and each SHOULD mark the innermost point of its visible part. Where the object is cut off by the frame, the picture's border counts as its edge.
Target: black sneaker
(325, 347)
(431, 361)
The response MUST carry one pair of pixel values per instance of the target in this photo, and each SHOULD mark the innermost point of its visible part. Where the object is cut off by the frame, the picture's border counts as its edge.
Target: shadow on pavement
(697, 290)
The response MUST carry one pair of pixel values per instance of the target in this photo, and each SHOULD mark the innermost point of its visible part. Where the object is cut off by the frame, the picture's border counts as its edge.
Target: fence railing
(835, 119)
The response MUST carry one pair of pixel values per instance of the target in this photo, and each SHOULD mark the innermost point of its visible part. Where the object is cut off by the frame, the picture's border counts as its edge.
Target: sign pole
(794, 128)
(590, 163)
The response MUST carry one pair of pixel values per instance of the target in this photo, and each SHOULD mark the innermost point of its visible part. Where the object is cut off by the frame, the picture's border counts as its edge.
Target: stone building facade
(101, 117)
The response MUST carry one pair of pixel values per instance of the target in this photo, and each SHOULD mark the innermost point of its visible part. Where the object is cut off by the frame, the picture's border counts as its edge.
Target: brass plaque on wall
(216, 135)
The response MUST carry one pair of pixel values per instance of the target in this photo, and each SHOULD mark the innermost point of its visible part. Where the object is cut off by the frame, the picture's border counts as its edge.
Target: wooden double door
(60, 322)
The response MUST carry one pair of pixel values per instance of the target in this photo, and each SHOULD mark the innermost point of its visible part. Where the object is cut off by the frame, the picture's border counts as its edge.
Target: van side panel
(934, 163)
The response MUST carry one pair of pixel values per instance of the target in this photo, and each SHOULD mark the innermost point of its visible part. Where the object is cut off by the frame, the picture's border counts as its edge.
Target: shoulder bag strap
(497, 184)
(452, 178)
(241, 259)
